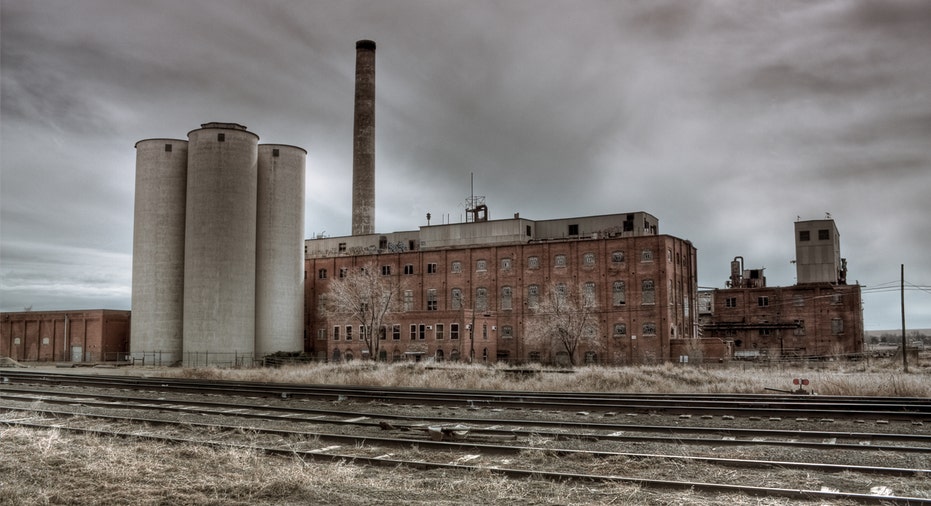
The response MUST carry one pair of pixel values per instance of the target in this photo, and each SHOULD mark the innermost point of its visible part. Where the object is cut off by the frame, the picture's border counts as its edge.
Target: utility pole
(904, 342)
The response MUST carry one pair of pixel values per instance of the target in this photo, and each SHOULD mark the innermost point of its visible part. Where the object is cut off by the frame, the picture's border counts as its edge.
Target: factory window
(649, 329)
(668, 255)
(168, 148)
(507, 331)
(342, 272)
(505, 264)
(730, 302)
(561, 292)
(456, 298)
(799, 328)
(321, 302)
(275, 153)
(646, 255)
(422, 331)
(431, 268)
(362, 330)
(560, 260)
(799, 301)
(431, 299)
(385, 270)
(588, 259)
(588, 294)
(408, 300)
(837, 326)
(506, 298)
(454, 331)
(528, 231)
(413, 331)
(824, 235)
(481, 265)
(620, 329)
(481, 299)
(440, 331)
(396, 332)
(342, 247)
(221, 137)
(617, 257)
(618, 293)
(408, 269)
(336, 332)
(591, 358)
(382, 356)
(534, 356)
(837, 298)
(383, 333)
(648, 292)
(804, 235)
(321, 274)
(349, 332)
(574, 229)
(766, 332)
(762, 301)
(321, 334)
(456, 267)
(533, 262)
(484, 331)
(533, 296)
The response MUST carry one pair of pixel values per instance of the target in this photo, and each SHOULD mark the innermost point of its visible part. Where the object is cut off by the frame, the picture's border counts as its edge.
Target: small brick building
(93, 335)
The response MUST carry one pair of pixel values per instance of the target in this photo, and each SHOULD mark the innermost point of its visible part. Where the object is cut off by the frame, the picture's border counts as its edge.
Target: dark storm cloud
(725, 119)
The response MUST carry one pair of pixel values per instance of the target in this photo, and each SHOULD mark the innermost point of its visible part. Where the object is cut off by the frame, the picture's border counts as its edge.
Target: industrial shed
(93, 335)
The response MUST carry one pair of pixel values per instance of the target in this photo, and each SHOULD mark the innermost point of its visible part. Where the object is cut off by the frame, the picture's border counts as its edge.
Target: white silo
(279, 291)
(219, 245)
(158, 250)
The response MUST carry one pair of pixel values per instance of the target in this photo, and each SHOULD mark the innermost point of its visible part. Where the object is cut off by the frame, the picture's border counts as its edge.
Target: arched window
(336, 355)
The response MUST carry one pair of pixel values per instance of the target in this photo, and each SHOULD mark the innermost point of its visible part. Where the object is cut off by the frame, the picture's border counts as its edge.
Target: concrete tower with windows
(817, 253)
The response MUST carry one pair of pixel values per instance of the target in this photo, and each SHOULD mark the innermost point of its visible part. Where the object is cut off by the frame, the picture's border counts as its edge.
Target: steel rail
(827, 406)
(511, 472)
(357, 440)
(520, 426)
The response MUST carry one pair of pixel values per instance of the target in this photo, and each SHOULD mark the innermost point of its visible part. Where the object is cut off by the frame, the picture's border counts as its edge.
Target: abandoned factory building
(469, 289)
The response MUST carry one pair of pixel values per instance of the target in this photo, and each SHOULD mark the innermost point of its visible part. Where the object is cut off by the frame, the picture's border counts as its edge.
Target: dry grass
(49, 467)
(876, 379)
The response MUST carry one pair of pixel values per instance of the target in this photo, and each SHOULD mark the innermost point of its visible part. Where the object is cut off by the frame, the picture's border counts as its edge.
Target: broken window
(506, 298)
(648, 292)
(618, 293)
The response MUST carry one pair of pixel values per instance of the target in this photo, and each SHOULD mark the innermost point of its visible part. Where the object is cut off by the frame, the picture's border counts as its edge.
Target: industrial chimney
(363, 149)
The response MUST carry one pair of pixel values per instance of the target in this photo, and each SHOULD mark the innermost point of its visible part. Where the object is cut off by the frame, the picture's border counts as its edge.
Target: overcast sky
(727, 120)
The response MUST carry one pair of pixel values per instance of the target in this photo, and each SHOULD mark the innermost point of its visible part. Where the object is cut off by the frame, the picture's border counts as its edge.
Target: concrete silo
(219, 245)
(158, 250)
(279, 291)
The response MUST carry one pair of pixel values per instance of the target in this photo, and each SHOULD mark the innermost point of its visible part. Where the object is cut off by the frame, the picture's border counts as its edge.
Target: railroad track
(900, 408)
(430, 434)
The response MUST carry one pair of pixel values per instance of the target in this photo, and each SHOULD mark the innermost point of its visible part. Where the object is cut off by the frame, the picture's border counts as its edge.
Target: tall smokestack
(363, 151)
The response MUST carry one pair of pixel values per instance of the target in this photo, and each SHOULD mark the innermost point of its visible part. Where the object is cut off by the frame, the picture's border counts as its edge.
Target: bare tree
(563, 317)
(366, 296)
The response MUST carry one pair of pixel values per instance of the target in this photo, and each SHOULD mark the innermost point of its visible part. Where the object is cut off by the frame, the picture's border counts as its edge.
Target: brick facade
(496, 281)
(65, 336)
(815, 320)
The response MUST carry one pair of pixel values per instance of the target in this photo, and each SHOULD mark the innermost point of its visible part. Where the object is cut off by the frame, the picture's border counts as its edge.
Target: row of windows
(797, 301)
(533, 262)
(417, 332)
(505, 301)
(438, 331)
